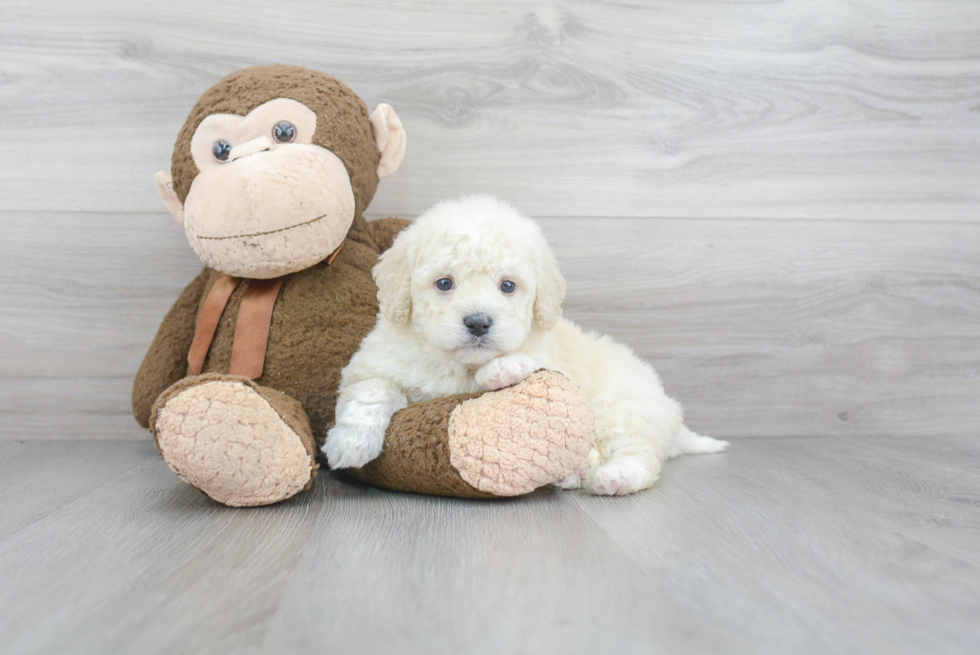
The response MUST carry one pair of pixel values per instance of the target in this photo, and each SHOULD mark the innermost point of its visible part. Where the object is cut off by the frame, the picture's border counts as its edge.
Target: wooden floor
(793, 545)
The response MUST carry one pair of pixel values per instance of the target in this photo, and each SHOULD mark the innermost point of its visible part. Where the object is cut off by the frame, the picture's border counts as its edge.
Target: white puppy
(471, 299)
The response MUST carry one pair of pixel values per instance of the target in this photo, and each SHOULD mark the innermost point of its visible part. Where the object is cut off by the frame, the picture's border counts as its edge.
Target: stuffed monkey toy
(270, 176)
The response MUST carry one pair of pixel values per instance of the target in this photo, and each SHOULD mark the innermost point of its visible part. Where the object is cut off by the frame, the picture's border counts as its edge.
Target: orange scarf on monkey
(251, 326)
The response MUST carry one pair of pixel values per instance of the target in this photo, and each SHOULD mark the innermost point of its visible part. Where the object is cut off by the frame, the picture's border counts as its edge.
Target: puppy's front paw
(505, 371)
(353, 446)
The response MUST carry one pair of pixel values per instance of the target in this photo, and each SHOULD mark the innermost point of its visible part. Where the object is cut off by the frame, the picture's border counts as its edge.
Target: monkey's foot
(241, 444)
(512, 441)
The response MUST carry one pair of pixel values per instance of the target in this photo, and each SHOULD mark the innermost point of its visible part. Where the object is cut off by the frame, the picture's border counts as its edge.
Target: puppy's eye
(507, 286)
(445, 284)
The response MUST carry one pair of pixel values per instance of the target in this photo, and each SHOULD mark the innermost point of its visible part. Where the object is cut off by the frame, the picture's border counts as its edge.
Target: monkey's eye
(221, 150)
(507, 286)
(284, 132)
(445, 284)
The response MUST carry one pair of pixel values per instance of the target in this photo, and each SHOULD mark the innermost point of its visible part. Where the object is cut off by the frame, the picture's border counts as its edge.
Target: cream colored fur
(420, 349)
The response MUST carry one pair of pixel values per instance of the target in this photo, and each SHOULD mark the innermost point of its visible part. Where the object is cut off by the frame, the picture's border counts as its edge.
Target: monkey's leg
(166, 360)
(239, 443)
(501, 443)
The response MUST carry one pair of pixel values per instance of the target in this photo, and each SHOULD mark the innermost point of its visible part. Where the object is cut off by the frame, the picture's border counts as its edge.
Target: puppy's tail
(691, 443)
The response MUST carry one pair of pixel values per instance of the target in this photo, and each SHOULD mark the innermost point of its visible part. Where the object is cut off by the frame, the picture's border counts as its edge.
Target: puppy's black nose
(477, 324)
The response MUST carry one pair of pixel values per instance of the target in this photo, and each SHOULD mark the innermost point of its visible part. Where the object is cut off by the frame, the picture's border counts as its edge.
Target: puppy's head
(473, 277)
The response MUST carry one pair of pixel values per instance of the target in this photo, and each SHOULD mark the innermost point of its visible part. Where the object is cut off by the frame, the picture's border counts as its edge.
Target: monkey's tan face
(267, 200)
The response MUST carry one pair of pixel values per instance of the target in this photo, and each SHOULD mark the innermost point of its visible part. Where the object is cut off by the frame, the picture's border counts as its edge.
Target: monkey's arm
(166, 360)
(502, 443)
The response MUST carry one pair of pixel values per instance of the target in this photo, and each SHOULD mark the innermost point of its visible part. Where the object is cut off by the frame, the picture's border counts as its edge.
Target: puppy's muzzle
(478, 324)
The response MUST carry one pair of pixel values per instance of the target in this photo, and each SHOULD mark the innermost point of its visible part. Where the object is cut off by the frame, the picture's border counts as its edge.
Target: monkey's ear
(390, 137)
(165, 186)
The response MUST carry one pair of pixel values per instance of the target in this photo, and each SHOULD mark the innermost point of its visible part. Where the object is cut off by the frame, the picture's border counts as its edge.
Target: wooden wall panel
(774, 202)
(673, 108)
(761, 328)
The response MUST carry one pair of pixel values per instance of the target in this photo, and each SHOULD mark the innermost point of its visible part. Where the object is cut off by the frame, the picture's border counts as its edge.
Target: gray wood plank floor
(794, 545)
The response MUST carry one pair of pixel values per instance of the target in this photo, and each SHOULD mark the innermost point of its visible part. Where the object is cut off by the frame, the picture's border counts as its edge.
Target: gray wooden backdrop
(774, 202)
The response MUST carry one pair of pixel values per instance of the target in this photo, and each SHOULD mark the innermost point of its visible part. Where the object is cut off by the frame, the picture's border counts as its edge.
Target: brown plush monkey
(270, 176)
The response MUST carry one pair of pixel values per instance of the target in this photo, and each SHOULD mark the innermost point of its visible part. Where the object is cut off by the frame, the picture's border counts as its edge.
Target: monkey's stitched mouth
(260, 234)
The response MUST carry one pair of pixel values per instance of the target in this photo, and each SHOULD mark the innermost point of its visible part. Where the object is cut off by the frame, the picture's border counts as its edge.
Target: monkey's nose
(478, 324)
(249, 148)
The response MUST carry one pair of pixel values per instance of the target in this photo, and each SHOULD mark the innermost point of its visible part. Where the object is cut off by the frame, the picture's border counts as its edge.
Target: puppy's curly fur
(471, 299)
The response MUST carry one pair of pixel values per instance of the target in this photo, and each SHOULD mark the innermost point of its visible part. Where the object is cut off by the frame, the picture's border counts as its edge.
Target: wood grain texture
(773, 328)
(844, 545)
(760, 328)
(655, 139)
(33, 485)
(672, 108)
(145, 563)
(847, 552)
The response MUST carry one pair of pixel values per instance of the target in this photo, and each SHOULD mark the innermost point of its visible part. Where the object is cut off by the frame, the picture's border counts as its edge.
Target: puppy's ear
(393, 275)
(551, 292)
